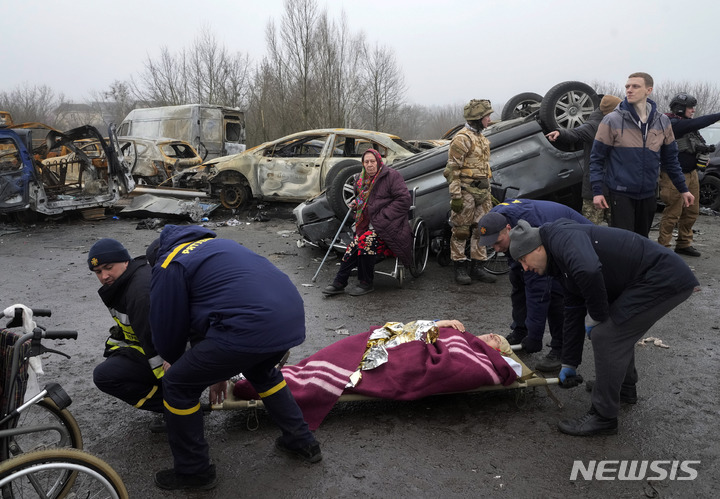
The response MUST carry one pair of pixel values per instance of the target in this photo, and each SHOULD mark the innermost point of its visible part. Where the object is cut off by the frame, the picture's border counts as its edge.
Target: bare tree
(31, 103)
(205, 73)
(339, 56)
(298, 40)
(383, 94)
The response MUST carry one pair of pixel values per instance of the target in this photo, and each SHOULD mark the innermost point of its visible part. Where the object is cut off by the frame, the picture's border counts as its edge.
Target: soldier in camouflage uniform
(468, 173)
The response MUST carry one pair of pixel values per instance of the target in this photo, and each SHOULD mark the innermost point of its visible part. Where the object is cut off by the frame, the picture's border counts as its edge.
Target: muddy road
(498, 445)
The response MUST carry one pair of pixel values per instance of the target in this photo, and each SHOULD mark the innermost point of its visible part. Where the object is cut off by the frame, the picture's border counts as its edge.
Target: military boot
(478, 272)
(461, 275)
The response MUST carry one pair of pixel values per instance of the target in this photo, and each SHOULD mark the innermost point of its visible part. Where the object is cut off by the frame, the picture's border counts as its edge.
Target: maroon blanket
(455, 362)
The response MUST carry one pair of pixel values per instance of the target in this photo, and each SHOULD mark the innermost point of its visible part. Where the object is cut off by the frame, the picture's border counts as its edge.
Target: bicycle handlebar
(41, 312)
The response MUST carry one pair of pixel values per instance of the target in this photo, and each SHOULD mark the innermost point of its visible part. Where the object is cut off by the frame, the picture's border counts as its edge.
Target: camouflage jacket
(468, 162)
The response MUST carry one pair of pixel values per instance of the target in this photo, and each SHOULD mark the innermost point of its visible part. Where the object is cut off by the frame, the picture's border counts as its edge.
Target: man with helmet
(468, 173)
(693, 155)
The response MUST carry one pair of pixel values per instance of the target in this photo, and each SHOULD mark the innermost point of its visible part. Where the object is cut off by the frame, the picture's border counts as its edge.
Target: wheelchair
(420, 248)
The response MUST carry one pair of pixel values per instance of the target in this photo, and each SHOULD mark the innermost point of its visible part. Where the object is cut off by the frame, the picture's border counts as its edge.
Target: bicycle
(40, 441)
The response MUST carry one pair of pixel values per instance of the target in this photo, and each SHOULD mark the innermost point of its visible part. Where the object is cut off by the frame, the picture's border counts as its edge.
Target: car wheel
(341, 192)
(521, 105)
(337, 168)
(567, 105)
(710, 193)
(234, 196)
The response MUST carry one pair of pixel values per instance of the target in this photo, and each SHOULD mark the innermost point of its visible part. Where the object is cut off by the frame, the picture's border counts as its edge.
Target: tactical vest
(689, 142)
(122, 335)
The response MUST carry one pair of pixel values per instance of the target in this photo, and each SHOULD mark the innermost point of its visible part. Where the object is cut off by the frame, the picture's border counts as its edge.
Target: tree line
(317, 73)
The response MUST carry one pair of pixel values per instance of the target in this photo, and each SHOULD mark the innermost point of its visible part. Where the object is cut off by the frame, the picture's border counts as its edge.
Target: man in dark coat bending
(623, 282)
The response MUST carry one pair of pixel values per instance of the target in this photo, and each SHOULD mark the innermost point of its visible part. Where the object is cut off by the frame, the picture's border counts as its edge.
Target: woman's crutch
(331, 244)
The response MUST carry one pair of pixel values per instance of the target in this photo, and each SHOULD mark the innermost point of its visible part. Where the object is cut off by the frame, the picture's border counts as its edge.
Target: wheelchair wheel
(60, 473)
(421, 247)
(52, 428)
(496, 262)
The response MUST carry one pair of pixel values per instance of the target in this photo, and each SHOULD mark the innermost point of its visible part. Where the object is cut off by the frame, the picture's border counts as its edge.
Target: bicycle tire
(496, 263)
(47, 472)
(45, 413)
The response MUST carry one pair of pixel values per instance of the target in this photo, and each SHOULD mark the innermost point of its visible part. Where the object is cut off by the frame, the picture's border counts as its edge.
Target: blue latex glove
(565, 373)
(590, 323)
(588, 329)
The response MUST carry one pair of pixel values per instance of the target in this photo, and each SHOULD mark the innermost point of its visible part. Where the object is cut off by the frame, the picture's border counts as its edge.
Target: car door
(290, 169)
(16, 172)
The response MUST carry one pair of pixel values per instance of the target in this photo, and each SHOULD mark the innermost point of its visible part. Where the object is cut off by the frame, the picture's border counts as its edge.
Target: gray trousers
(614, 351)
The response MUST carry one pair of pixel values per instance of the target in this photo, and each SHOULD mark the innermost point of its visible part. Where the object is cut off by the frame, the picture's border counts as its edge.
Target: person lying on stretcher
(396, 361)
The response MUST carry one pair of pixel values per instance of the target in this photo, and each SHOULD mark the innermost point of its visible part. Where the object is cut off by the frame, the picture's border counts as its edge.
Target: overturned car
(45, 171)
(524, 164)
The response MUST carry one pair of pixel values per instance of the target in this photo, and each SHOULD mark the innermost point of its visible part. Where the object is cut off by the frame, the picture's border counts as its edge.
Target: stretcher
(528, 379)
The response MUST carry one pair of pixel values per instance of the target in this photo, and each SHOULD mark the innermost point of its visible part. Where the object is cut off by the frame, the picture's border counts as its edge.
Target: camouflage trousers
(464, 223)
(593, 214)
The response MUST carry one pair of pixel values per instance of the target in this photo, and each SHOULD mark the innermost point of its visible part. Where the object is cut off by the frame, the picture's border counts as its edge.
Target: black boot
(478, 272)
(461, 275)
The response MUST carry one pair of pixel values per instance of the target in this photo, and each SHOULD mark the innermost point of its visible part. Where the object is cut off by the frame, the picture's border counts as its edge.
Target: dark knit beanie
(107, 251)
(523, 239)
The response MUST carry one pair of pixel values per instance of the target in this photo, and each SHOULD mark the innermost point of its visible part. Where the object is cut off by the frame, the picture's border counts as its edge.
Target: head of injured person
(526, 248)
(477, 113)
(494, 231)
(498, 342)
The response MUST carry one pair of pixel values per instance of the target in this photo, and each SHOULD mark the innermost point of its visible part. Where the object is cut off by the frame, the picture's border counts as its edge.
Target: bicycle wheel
(496, 262)
(48, 428)
(45, 474)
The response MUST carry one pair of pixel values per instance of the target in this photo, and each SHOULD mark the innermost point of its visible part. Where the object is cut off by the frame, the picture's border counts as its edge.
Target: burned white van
(213, 131)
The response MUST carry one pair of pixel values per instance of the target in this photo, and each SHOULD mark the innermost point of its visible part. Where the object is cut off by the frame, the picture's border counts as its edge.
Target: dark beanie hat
(523, 239)
(107, 251)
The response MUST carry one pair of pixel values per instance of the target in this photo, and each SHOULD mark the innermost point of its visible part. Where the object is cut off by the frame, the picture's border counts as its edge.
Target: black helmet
(680, 102)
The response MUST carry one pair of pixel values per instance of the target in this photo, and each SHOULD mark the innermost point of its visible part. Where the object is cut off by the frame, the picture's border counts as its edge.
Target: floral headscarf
(365, 184)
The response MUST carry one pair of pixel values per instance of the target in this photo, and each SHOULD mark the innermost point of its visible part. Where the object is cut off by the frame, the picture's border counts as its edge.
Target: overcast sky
(449, 50)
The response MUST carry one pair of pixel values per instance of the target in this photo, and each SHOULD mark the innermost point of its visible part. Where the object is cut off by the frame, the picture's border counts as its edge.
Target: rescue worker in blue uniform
(133, 370)
(241, 314)
(535, 299)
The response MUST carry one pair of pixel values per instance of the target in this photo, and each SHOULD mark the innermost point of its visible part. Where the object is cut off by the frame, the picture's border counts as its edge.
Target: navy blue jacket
(537, 288)
(536, 212)
(220, 290)
(614, 273)
(626, 153)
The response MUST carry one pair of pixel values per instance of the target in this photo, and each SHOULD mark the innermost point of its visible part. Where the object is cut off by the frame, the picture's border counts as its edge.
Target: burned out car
(45, 171)
(157, 161)
(293, 168)
(524, 164)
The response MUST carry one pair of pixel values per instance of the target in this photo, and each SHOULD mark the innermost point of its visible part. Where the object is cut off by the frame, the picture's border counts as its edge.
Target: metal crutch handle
(342, 224)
